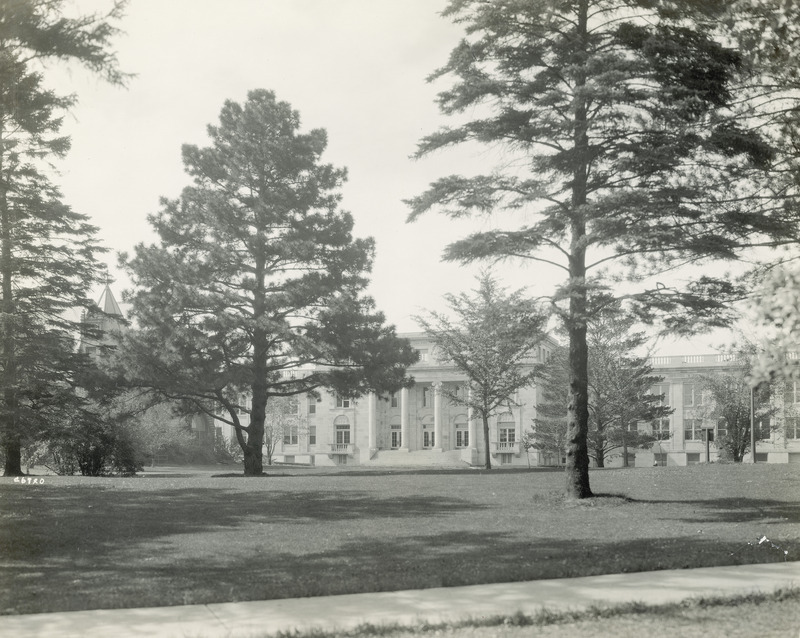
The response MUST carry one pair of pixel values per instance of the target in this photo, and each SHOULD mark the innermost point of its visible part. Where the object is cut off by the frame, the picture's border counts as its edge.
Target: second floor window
(342, 403)
(507, 435)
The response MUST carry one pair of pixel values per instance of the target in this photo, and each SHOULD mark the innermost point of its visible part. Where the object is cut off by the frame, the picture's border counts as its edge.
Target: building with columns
(418, 426)
(415, 426)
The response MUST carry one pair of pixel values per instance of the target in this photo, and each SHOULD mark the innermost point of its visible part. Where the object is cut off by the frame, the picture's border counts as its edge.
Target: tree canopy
(491, 339)
(643, 141)
(48, 252)
(256, 285)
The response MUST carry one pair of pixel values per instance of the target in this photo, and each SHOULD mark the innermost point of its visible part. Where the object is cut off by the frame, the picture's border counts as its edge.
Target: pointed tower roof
(108, 304)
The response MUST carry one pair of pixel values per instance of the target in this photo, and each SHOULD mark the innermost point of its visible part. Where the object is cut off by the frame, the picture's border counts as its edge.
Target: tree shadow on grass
(717, 510)
(81, 547)
(416, 561)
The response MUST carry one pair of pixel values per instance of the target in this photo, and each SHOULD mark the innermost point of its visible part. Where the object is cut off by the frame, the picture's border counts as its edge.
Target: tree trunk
(488, 465)
(254, 449)
(12, 441)
(599, 457)
(624, 451)
(577, 468)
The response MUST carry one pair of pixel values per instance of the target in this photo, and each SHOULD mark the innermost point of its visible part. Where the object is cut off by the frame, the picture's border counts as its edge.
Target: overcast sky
(356, 68)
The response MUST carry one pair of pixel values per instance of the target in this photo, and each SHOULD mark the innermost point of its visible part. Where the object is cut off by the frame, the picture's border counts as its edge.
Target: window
(507, 435)
(312, 434)
(428, 435)
(426, 399)
(423, 355)
(343, 434)
(312, 405)
(722, 428)
(506, 430)
(396, 436)
(661, 429)
(342, 403)
(506, 459)
(692, 395)
(394, 399)
(792, 393)
(764, 429)
(290, 435)
(462, 431)
(693, 458)
(792, 430)
(691, 430)
(661, 390)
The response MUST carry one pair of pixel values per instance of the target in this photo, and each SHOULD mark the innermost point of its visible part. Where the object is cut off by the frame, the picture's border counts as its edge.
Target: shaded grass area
(773, 614)
(168, 539)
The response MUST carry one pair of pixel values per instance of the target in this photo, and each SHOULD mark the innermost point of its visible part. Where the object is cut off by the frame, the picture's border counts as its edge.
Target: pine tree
(48, 254)
(256, 285)
(643, 139)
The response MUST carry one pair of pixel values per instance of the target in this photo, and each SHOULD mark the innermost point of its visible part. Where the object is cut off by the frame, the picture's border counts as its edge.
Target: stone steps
(427, 458)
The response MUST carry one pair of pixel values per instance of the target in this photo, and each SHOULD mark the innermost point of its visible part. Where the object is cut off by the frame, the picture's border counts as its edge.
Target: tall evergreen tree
(47, 251)
(255, 287)
(643, 139)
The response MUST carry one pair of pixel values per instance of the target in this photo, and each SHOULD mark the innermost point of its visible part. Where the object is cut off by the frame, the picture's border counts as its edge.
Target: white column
(373, 425)
(437, 416)
(404, 435)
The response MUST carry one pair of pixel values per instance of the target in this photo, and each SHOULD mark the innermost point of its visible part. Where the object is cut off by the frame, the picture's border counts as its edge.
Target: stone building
(419, 427)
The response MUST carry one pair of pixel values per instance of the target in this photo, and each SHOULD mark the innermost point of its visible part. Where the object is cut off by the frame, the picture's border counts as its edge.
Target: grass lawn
(168, 539)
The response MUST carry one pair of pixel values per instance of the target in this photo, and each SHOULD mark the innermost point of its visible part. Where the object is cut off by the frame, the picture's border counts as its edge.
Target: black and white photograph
(400, 318)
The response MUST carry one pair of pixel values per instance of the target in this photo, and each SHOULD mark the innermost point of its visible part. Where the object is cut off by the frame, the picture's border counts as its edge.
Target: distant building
(419, 427)
(681, 435)
(102, 329)
(416, 426)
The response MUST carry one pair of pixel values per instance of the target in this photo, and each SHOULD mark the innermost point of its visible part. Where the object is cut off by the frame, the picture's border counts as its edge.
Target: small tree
(490, 341)
(158, 430)
(283, 421)
(726, 403)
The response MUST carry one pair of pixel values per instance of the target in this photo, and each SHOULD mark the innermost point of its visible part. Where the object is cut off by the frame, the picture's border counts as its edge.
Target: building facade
(419, 426)
(682, 437)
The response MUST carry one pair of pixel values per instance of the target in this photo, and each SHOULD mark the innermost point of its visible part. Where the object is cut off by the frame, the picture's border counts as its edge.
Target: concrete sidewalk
(254, 619)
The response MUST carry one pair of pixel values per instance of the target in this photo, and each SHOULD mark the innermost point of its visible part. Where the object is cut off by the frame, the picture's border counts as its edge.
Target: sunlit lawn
(167, 539)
